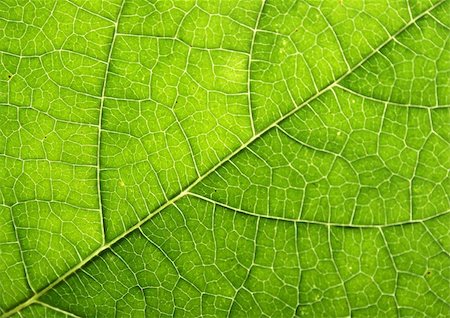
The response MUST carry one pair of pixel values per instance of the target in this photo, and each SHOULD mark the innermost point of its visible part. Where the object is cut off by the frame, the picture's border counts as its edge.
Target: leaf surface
(224, 158)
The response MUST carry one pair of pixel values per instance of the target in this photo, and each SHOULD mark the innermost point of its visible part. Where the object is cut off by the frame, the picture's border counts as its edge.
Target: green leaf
(224, 158)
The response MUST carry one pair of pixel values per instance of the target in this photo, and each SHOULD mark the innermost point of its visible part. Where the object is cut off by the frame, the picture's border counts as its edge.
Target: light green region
(224, 158)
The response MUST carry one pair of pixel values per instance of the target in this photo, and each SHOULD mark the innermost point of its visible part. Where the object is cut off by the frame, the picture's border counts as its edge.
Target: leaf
(224, 158)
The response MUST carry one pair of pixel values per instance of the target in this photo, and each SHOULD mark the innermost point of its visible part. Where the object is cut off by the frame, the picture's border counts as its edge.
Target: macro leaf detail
(224, 158)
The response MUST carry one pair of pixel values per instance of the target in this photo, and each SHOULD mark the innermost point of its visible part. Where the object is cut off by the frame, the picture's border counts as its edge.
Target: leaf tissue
(224, 158)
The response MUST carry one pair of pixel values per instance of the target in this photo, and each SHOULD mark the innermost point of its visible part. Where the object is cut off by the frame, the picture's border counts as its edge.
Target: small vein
(348, 90)
(249, 98)
(332, 224)
(100, 115)
(57, 309)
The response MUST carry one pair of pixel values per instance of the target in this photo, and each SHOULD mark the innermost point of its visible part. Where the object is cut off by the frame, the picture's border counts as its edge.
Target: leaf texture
(224, 158)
